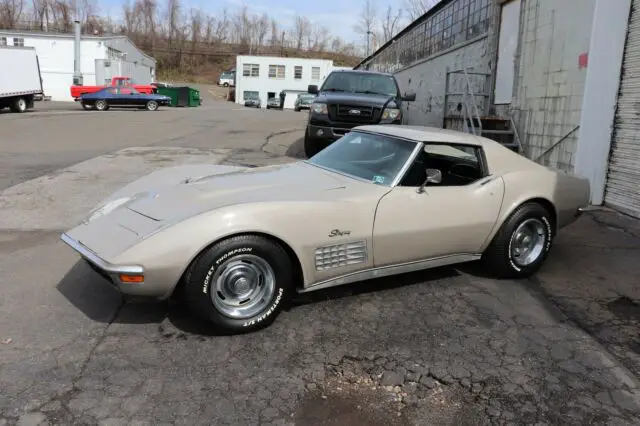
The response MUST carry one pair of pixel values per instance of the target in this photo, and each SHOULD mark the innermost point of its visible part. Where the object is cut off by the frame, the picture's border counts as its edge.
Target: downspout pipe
(77, 75)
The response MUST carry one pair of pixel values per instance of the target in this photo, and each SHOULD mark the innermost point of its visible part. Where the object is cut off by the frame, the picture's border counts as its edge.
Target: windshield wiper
(333, 90)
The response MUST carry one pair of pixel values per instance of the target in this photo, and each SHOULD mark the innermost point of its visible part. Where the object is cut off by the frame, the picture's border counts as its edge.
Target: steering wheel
(464, 171)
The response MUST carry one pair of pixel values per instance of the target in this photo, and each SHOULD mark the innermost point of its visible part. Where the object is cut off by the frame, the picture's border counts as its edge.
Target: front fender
(303, 226)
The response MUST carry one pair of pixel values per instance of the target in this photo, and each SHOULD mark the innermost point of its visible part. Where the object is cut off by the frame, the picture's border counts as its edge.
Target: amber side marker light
(132, 279)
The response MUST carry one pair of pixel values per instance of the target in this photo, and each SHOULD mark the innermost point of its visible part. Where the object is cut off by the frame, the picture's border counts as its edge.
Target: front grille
(339, 112)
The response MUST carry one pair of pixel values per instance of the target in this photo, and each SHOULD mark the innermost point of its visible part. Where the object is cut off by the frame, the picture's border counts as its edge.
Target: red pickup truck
(77, 91)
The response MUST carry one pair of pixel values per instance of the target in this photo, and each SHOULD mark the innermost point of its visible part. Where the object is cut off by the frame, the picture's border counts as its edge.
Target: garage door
(290, 100)
(622, 190)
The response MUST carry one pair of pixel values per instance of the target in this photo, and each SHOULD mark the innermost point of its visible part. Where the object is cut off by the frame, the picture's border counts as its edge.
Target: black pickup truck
(350, 98)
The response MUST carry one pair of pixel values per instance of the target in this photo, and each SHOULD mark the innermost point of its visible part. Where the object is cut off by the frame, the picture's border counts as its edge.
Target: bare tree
(173, 20)
(417, 8)
(390, 24)
(10, 12)
(301, 31)
(368, 20)
(320, 38)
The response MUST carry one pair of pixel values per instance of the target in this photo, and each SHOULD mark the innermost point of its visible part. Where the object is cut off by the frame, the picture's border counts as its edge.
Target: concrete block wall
(428, 80)
(549, 80)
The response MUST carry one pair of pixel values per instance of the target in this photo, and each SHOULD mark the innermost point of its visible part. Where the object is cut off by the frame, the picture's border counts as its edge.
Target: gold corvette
(236, 242)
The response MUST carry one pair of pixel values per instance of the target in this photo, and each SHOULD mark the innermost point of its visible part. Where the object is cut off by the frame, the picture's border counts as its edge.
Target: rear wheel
(522, 244)
(151, 106)
(240, 284)
(101, 105)
(87, 107)
(19, 105)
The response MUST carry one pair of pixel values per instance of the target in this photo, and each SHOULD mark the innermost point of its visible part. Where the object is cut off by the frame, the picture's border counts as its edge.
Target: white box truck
(20, 79)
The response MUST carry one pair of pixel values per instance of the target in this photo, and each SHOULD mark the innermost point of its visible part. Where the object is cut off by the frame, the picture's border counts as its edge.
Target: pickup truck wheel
(240, 284)
(101, 105)
(19, 105)
(311, 148)
(151, 106)
(522, 243)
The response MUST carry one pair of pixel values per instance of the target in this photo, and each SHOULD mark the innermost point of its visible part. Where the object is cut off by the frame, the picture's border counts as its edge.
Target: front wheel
(151, 106)
(86, 107)
(240, 284)
(311, 147)
(522, 244)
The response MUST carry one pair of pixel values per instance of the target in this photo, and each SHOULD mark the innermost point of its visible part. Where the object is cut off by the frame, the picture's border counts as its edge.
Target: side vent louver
(334, 256)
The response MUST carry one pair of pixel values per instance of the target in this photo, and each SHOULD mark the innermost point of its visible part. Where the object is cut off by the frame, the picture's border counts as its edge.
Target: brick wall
(549, 77)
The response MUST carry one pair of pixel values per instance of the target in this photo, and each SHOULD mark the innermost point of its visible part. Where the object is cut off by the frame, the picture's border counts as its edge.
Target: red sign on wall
(583, 60)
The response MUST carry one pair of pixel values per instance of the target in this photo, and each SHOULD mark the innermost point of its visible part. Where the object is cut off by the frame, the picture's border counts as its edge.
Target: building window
(276, 71)
(297, 72)
(250, 94)
(315, 73)
(250, 70)
(18, 42)
(455, 23)
(114, 54)
(3, 41)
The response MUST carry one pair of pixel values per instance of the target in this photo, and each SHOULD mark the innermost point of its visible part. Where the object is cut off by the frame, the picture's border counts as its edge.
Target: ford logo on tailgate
(354, 112)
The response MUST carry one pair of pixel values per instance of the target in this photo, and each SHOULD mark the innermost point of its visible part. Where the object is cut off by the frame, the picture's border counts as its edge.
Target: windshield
(361, 83)
(306, 97)
(375, 158)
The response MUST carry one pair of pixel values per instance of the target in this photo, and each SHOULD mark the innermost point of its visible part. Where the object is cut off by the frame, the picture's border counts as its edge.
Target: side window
(459, 165)
(112, 90)
(125, 91)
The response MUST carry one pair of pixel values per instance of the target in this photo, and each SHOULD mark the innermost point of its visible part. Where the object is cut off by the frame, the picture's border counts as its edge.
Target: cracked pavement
(443, 347)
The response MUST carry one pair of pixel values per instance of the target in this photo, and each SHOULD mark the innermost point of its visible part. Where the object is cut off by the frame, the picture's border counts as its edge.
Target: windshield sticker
(378, 179)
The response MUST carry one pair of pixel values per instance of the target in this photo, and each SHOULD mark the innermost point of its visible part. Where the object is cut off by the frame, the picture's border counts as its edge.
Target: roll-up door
(622, 190)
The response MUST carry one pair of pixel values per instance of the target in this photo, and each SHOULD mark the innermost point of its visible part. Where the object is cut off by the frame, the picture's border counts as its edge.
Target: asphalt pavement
(444, 347)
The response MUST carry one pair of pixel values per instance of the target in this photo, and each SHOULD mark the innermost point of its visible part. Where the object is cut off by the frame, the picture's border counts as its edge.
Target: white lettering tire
(240, 284)
(522, 243)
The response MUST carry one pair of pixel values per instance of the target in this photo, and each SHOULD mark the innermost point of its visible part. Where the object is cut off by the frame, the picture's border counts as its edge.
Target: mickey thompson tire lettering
(268, 312)
(497, 257)
(207, 279)
(200, 285)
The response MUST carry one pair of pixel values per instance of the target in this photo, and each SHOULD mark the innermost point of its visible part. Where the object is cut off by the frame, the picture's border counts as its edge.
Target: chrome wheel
(101, 105)
(21, 105)
(152, 105)
(527, 242)
(243, 286)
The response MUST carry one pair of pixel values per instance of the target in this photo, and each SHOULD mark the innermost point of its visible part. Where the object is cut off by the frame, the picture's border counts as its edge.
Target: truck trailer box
(20, 78)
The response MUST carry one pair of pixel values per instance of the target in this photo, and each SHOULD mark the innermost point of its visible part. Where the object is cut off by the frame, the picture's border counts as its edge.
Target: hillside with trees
(189, 44)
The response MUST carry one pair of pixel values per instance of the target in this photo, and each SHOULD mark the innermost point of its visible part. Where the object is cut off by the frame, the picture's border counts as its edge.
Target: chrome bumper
(101, 266)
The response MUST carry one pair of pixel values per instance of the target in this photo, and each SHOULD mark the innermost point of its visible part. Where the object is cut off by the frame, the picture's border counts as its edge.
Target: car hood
(355, 99)
(185, 194)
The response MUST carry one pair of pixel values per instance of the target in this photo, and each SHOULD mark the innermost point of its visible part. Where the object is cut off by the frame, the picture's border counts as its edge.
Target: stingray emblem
(338, 233)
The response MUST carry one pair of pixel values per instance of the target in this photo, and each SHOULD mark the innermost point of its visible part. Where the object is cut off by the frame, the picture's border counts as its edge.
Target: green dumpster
(171, 92)
(194, 97)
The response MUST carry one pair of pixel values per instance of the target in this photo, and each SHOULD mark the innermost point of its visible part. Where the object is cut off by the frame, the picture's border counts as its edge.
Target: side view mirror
(433, 176)
(313, 89)
(409, 97)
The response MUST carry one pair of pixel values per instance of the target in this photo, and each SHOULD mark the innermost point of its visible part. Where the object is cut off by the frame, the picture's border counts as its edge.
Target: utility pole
(368, 34)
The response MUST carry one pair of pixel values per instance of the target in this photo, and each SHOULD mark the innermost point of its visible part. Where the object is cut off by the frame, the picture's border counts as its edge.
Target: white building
(267, 76)
(100, 59)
